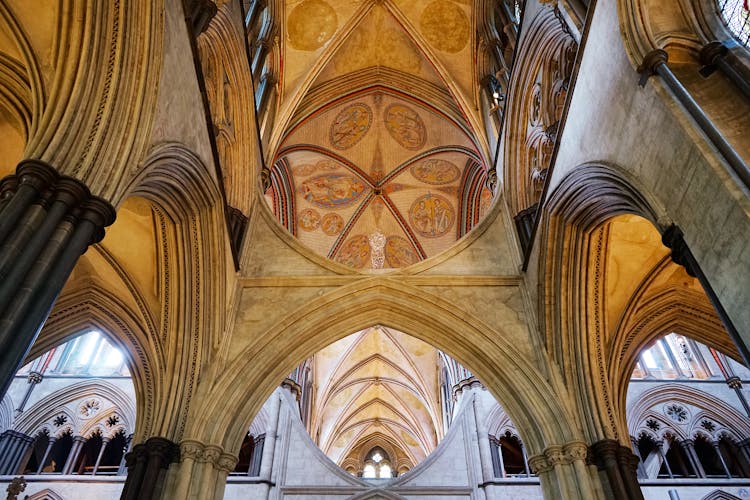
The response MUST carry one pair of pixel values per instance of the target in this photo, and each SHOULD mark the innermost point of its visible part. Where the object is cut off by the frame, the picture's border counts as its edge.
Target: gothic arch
(541, 55)
(720, 495)
(191, 236)
(45, 494)
(572, 234)
(91, 306)
(431, 319)
(709, 405)
(38, 416)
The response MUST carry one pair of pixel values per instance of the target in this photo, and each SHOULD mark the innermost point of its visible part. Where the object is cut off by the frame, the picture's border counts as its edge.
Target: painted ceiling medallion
(350, 126)
(332, 190)
(311, 24)
(399, 252)
(445, 26)
(435, 171)
(432, 216)
(405, 126)
(355, 252)
(332, 224)
(309, 219)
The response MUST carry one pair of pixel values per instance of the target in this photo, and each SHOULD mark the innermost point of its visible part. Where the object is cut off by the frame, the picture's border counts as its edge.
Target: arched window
(736, 15)
(377, 465)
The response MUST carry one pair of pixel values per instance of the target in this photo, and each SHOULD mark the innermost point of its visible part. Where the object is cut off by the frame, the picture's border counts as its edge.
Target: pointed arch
(430, 318)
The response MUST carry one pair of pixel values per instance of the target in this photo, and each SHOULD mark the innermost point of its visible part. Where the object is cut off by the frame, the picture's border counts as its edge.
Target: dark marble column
(604, 455)
(13, 448)
(34, 378)
(660, 447)
(254, 469)
(146, 465)
(688, 446)
(75, 451)
(50, 444)
(47, 222)
(629, 463)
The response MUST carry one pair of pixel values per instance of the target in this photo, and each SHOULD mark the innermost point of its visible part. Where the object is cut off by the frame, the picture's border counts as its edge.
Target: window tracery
(736, 15)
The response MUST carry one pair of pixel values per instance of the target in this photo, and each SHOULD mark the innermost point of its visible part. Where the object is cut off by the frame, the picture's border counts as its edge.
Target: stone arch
(221, 56)
(720, 495)
(91, 306)
(191, 236)
(569, 315)
(710, 406)
(531, 400)
(45, 494)
(37, 417)
(545, 42)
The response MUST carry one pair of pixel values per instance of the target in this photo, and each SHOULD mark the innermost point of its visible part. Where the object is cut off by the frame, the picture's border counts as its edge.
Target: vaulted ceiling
(377, 387)
(376, 161)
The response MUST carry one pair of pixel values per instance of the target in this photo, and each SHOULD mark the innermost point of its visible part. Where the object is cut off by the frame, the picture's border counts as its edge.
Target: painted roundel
(309, 219)
(435, 171)
(399, 252)
(355, 252)
(350, 126)
(432, 215)
(405, 126)
(332, 190)
(332, 224)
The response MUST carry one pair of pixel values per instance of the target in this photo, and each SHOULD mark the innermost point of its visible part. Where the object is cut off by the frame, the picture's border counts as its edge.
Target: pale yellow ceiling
(376, 384)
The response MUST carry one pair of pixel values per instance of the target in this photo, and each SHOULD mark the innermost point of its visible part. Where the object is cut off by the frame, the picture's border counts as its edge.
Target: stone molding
(556, 455)
(211, 454)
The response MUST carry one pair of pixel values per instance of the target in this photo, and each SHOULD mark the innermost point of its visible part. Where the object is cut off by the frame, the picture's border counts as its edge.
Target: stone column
(50, 444)
(629, 463)
(485, 457)
(641, 470)
(201, 472)
(75, 450)
(254, 469)
(717, 448)
(122, 470)
(563, 472)
(33, 379)
(99, 456)
(688, 446)
(266, 461)
(736, 384)
(13, 448)
(46, 224)
(526, 469)
(146, 464)
(660, 447)
(605, 457)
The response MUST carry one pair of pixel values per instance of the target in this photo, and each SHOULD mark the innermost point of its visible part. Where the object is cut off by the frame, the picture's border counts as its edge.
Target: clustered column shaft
(47, 221)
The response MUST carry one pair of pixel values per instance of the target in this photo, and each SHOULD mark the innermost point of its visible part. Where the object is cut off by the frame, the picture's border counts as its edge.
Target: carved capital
(35, 377)
(211, 454)
(539, 464)
(191, 449)
(163, 450)
(226, 462)
(36, 173)
(712, 52)
(575, 451)
(653, 60)
(734, 382)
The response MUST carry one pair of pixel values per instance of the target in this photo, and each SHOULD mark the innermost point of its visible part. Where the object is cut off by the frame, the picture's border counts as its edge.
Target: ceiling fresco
(378, 181)
(378, 387)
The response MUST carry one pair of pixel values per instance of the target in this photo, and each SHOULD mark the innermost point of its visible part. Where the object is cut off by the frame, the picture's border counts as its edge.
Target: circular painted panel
(355, 252)
(435, 171)
(303, 170)
(332, 224)
(350, 126)
(399, 252)
(311, 24)
(432, 216)
(405, 126)
(332, 190)
(309, 219)
(445, 25)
